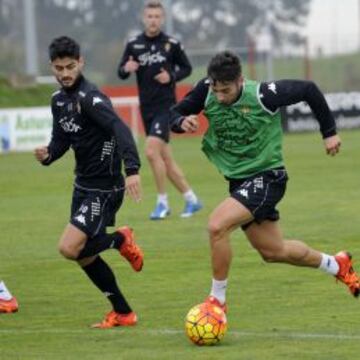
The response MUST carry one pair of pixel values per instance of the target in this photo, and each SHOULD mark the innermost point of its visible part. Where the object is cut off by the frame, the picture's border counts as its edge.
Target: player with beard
(83, 119)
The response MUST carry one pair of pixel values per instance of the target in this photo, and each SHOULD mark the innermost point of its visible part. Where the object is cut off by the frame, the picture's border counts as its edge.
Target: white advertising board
(23, 129)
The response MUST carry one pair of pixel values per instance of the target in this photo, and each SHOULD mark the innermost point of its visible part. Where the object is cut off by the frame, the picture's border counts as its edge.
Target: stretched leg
(268, 240)
(223, 220)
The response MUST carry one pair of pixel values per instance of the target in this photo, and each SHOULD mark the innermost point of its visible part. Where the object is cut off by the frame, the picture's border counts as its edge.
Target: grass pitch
(276, 311)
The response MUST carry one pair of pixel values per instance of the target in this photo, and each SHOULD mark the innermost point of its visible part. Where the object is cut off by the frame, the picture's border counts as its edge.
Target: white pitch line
(276, 335)
(268, 335)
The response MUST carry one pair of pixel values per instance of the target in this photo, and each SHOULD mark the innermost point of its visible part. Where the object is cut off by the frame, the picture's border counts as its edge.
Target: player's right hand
(133, 187)
(131, 65)
(41, 153)
(190, 123)
(332, 145)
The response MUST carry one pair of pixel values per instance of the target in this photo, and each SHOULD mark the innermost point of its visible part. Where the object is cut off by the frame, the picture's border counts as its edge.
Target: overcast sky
(334, 26)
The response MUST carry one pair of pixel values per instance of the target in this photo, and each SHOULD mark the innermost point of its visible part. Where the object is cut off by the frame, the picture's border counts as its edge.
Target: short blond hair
(154, 4)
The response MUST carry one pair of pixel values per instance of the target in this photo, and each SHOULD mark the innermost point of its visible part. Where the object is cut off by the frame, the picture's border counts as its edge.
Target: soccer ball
(205, 324)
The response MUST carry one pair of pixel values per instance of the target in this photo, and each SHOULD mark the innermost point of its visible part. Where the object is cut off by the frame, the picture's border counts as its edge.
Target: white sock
(329, 264)
(190, 196)
(163, 199)
(218, 290)
(4, 292)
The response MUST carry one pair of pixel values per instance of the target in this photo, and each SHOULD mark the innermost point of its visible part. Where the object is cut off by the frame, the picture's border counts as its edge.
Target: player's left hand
(332, 145)
(41, 153)
(190, 124)
(163, 77)
(133, 187)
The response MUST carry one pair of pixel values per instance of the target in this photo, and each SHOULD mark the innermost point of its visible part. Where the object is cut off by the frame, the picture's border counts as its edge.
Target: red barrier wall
(131, 90)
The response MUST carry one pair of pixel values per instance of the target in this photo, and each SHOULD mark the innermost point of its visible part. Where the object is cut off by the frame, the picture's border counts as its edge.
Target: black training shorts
(260, 193)
(157, 123)
(93, 210)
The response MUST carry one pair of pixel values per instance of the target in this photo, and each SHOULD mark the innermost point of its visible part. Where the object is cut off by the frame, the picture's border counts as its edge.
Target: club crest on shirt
(167, 47)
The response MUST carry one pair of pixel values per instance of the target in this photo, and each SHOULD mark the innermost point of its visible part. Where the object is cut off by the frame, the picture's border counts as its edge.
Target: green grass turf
(276, 311)
(36, 95)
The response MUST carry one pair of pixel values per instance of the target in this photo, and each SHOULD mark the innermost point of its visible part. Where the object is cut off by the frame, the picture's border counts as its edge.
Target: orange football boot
(214, 301)
(347, 274)
(130, 250)
(113, 319)
(9, 306)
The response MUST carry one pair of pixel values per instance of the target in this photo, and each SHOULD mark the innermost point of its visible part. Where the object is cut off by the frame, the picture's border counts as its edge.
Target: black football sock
(100, 243)
(102, 276)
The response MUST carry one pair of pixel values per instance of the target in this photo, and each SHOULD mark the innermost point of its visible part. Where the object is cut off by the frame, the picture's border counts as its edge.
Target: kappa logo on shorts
(157, 128)
(81, 219)
(96, 100)
(244, 193)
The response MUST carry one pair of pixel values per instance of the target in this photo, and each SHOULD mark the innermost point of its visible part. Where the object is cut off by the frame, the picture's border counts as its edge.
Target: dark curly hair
(62, 47)
(224, 66)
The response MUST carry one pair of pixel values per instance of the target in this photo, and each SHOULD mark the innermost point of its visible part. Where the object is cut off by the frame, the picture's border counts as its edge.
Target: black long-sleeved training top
(153, 54)
(84, 119)
(272, 95)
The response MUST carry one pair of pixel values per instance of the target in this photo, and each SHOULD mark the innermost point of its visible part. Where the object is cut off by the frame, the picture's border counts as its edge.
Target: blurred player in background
(244, 142)
(159, 61)
(8, 303)
(83, 119)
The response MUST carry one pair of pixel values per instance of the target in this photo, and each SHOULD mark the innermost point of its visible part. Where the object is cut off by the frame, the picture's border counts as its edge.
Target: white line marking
(268, 335)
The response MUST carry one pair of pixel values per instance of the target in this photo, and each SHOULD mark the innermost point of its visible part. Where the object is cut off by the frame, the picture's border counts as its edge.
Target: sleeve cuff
(329, 133)
(131, 171)
(47, 161)
(176, 127)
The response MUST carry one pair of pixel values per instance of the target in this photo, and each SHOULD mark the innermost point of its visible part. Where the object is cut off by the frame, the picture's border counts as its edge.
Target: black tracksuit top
(153, 54)
(84, 119)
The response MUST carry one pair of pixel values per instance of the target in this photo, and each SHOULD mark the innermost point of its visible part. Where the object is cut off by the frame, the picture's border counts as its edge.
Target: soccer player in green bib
(244, 142)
